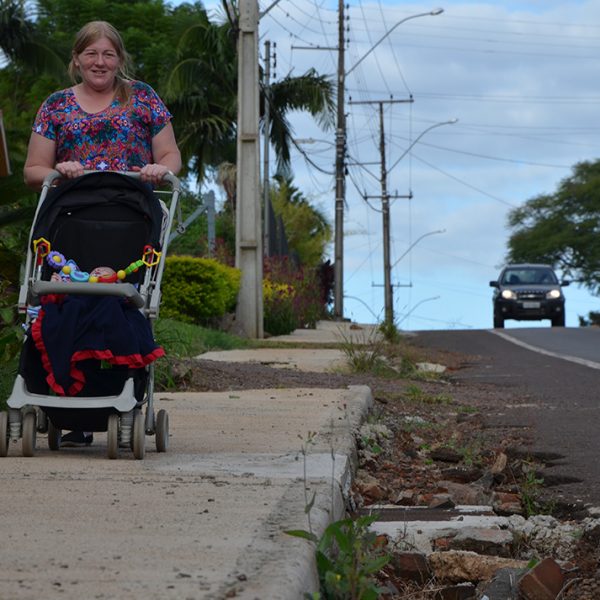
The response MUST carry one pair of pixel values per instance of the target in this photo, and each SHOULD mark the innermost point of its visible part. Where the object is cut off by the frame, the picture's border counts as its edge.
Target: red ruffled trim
(36, 334)
(133, 361)
(52, 299)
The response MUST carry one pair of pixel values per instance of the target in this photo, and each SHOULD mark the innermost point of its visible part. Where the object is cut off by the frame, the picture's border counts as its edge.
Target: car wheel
(498, 322)
(558, 321)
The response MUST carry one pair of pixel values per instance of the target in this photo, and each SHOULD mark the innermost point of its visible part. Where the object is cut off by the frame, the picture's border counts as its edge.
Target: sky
(520, 77)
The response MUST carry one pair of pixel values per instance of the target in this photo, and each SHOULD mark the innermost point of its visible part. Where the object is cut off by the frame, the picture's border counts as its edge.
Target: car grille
(531, 295)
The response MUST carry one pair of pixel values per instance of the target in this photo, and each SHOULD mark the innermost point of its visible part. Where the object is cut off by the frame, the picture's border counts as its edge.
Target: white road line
(580, 361)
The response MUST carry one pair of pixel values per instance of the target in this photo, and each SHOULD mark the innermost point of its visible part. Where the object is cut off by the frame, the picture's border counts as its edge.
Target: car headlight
(553, 294)
(509, 295)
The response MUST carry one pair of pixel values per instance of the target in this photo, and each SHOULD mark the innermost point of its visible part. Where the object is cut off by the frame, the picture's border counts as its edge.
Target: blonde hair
(91, 32)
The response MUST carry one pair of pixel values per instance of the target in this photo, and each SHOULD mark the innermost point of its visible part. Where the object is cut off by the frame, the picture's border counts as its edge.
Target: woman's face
(98, 65)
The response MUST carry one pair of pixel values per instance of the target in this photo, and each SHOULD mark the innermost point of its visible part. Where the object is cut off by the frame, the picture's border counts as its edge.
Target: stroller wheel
(29, 431)
(113, 436)
(162, 430)
(3, 433)
(139, 435)
(41, 421)
(54, 436)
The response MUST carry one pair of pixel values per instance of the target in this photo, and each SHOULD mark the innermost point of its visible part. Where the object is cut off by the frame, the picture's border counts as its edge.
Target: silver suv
(528, 292)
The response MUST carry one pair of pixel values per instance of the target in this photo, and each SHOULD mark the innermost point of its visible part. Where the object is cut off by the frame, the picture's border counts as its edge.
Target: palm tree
(202, 93)
(20, 43)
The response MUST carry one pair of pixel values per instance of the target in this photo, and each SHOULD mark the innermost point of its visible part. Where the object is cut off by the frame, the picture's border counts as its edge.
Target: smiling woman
(106, 121)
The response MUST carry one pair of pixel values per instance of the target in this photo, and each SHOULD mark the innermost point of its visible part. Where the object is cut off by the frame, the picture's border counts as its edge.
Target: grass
(181, 341)
(415, 394)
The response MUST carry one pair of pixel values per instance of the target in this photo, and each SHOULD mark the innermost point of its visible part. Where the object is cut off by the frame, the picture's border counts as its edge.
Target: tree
(307, 228)
(202, 93)
(21, 43)
(563, 228)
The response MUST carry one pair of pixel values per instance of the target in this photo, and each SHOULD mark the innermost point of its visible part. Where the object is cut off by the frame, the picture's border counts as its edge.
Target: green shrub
(198, 290)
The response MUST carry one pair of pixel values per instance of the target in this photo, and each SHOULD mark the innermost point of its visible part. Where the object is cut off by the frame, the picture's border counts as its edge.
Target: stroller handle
(168, 177)
(122, 290)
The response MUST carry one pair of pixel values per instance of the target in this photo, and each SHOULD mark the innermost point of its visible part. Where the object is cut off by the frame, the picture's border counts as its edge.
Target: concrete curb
(293, 572)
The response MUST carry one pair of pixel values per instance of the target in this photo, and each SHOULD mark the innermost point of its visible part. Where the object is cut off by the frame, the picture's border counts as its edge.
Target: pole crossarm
(314, 48)
(390, 101)
(408, 196)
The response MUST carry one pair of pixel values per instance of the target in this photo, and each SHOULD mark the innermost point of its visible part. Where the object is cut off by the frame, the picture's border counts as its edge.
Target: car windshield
(537, 276)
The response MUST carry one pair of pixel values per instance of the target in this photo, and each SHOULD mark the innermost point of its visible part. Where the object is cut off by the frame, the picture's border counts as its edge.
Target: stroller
(101, 218)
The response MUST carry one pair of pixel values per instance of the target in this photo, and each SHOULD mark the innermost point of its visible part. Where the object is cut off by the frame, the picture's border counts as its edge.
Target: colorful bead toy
(68, 269)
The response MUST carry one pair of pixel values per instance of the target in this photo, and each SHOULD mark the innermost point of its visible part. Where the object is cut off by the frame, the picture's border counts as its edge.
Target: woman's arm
(166, 156)
(41, 157)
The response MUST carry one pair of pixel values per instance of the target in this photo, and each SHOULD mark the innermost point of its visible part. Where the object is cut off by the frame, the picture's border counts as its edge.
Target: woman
(106, 121)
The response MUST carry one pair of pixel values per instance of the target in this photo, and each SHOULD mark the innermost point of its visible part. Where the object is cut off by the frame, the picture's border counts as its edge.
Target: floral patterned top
(114, 139)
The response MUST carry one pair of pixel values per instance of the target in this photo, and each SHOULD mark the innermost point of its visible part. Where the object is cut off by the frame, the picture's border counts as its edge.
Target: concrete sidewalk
(206, 519)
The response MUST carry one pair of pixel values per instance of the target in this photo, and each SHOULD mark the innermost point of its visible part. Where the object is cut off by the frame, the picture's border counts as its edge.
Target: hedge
(198, 290)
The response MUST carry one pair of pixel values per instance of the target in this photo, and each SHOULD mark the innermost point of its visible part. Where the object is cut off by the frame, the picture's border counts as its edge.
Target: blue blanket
(71, 329)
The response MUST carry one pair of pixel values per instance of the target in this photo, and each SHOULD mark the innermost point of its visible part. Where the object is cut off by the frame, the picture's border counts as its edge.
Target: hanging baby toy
(69, 271)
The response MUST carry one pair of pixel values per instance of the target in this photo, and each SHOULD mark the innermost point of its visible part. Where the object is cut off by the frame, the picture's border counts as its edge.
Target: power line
(497, 158)
(502, 201)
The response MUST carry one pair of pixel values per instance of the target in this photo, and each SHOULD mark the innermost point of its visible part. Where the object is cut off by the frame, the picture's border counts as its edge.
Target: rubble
(458, 527)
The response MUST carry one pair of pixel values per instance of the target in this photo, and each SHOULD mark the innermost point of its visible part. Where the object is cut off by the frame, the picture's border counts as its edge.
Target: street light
(415, 243)
(340, 145)
(385, 209)
(450, 122)
(416, 305)
(434, 12)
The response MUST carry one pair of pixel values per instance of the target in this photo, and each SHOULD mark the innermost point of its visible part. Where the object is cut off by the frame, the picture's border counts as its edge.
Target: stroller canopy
(100, 219)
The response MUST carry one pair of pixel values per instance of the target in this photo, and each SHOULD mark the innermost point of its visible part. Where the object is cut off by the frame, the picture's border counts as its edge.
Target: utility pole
(385, 211)
(248, 252)
(340, 175)
(267, 124)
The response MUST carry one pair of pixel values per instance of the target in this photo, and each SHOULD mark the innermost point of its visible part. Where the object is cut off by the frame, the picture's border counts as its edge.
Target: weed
(414, 393)
(348, 556)
(530, 492)
(390, 332)
(466, 410)
(370, 444)
(366, 355)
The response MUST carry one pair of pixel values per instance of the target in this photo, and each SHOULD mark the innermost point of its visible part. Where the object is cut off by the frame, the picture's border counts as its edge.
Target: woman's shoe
(76, 439)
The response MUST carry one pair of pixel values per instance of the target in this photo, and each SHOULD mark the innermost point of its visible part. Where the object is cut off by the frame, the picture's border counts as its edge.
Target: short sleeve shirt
(114, 139)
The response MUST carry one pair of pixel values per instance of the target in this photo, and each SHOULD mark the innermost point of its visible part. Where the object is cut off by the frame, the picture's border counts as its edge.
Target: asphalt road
(555, 375)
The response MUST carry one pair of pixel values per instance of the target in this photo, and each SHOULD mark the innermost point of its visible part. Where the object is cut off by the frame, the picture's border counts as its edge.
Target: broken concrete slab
(456, 566)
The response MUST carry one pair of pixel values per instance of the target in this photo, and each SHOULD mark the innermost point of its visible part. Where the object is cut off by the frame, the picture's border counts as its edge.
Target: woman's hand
(70, 169)
(152, 173)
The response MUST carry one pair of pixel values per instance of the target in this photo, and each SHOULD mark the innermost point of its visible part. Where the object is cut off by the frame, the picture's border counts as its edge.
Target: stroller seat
(100, 219)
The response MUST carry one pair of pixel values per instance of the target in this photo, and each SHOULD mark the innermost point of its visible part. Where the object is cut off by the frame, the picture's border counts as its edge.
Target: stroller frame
(126, 424)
